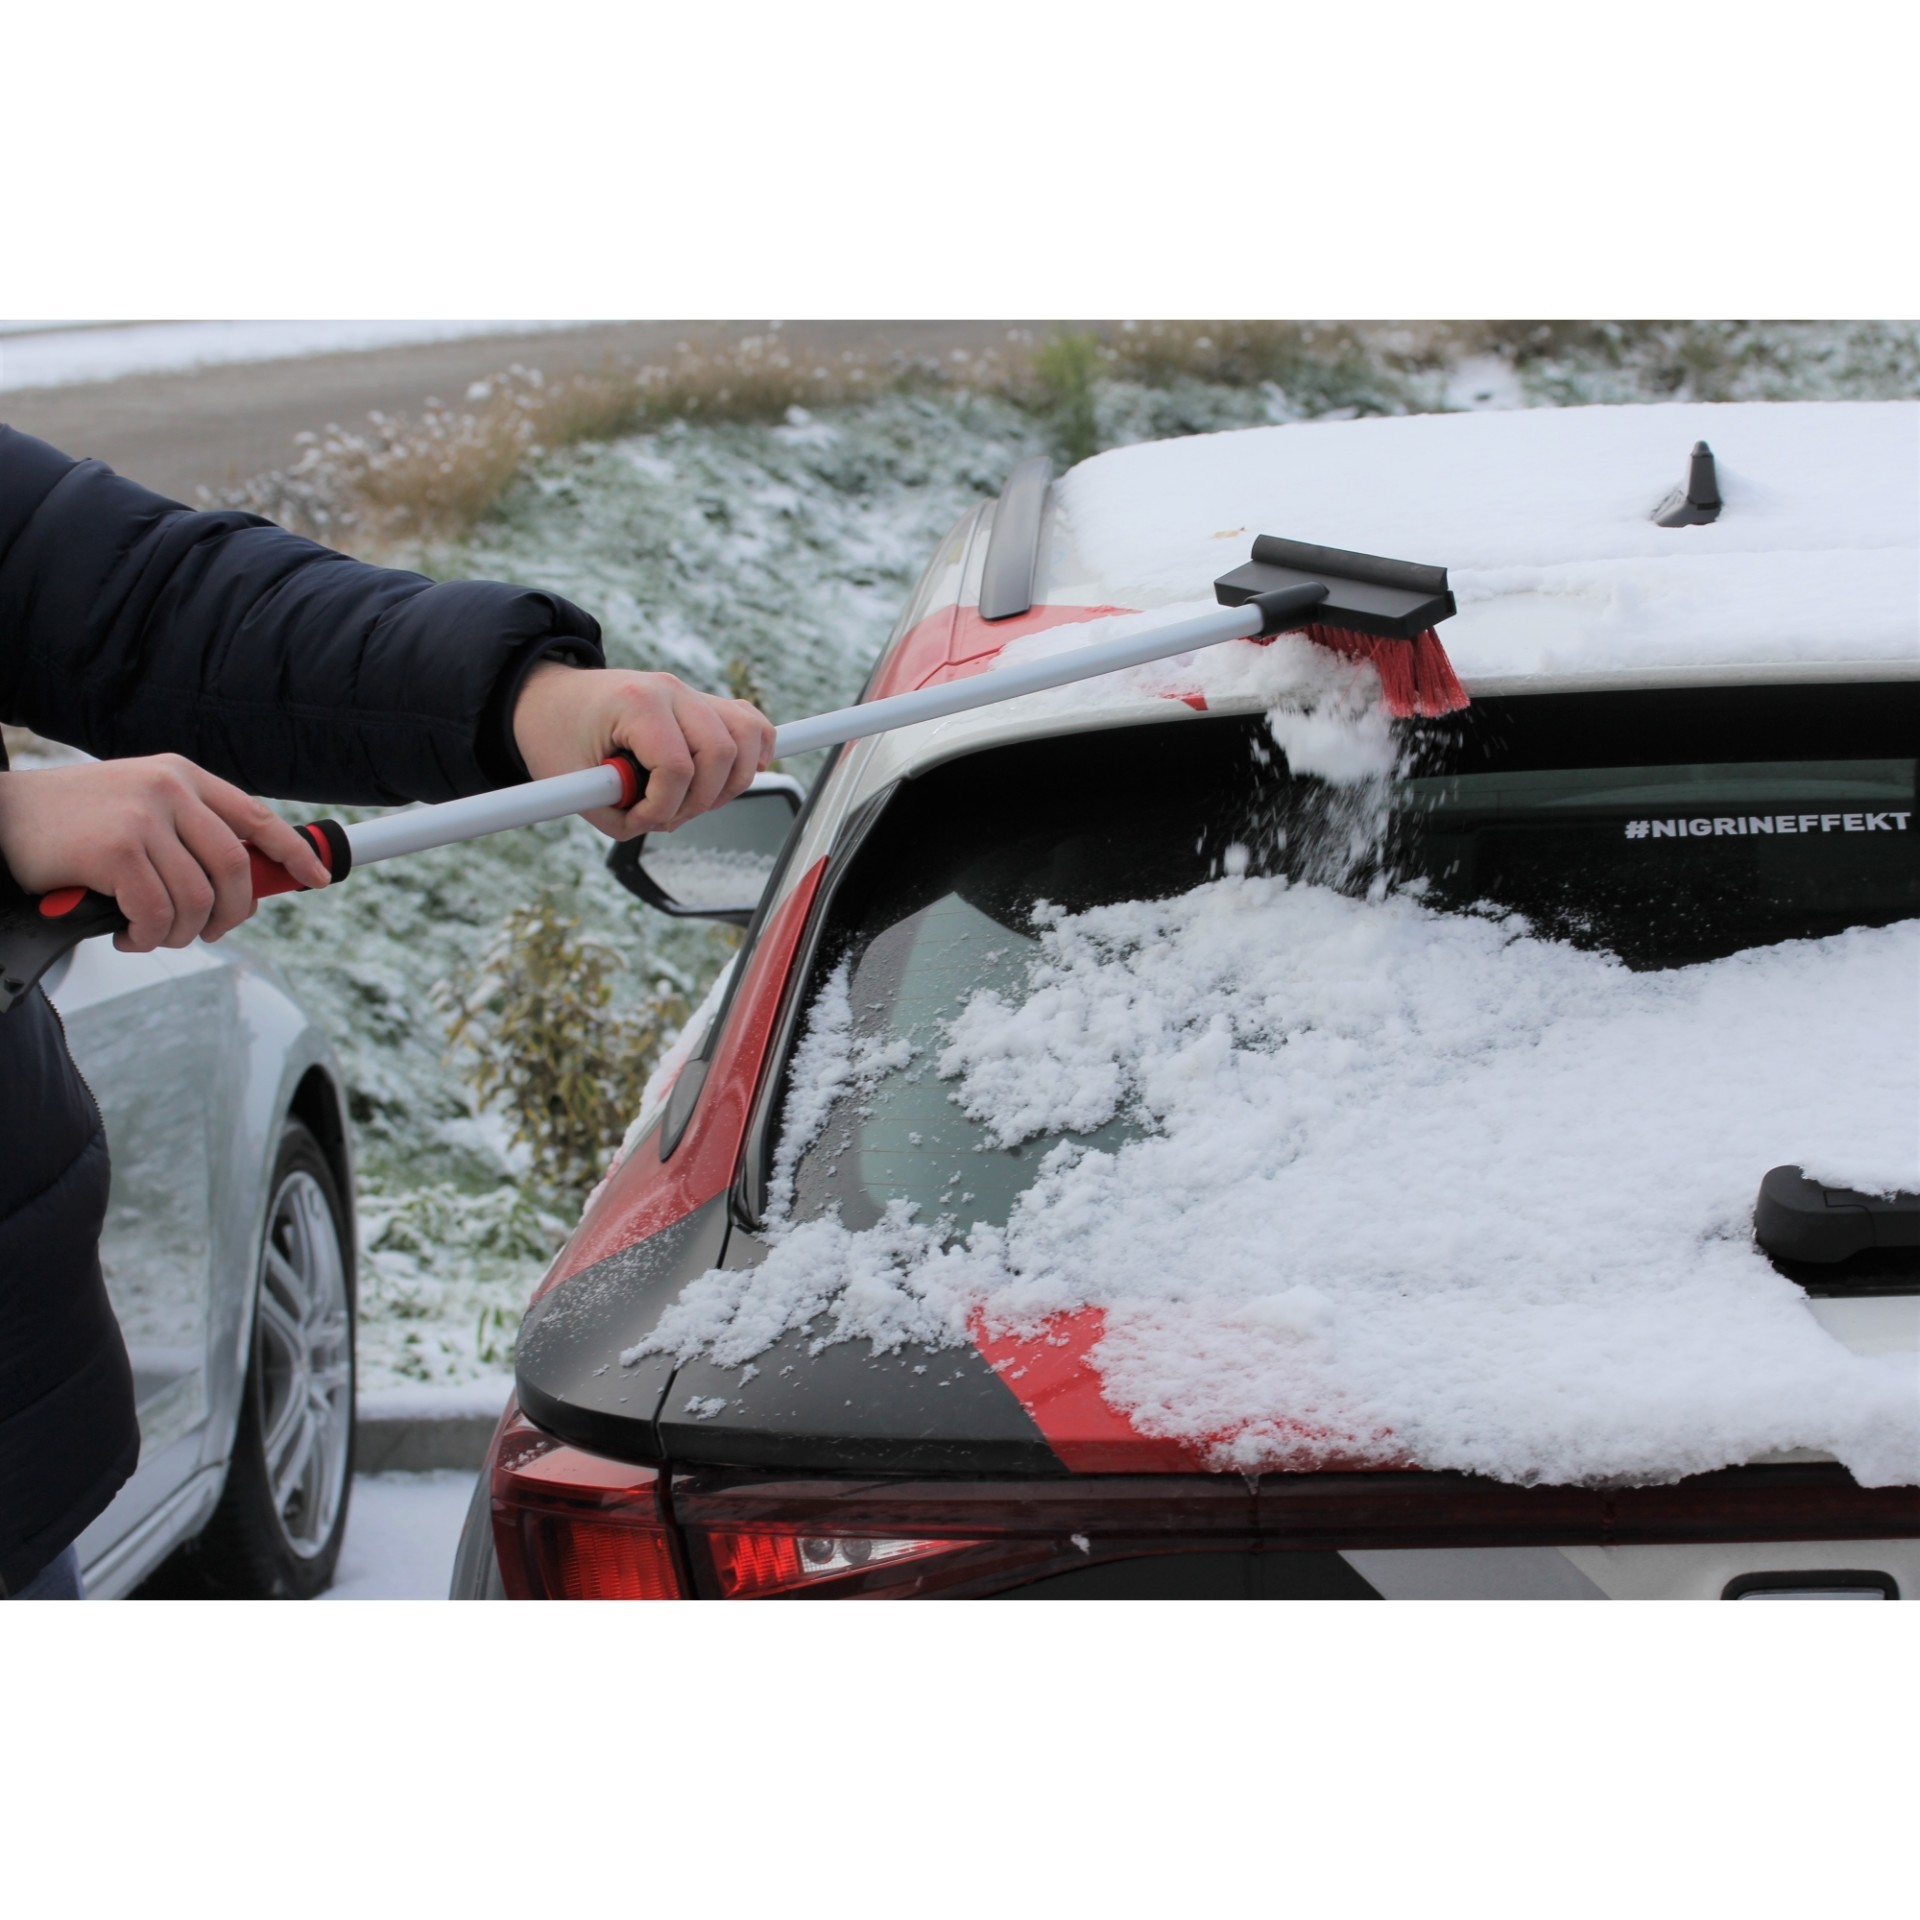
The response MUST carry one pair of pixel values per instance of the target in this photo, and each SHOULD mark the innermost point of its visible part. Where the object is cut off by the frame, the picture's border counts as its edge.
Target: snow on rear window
(1362, 1176)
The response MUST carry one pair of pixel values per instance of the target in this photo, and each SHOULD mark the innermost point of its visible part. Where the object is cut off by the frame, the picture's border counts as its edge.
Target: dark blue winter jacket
(130, 625)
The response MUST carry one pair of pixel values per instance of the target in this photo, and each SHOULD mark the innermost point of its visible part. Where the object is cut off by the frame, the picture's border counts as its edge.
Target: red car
(932, 1274)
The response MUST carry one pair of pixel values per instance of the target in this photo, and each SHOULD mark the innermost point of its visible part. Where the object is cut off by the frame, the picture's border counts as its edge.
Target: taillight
(781, 1561)
(570, 1525)
(752, 1566)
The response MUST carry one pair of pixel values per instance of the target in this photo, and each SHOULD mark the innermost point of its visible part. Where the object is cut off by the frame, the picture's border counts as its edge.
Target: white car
(1182, 1135)
(228, 1252)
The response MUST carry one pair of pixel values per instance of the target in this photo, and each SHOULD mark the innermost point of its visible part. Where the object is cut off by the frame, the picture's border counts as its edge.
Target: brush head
(1389, 599)
(1378, 611)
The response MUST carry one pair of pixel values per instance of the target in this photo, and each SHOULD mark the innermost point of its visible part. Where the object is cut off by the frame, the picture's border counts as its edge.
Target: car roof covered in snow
(1544, 519)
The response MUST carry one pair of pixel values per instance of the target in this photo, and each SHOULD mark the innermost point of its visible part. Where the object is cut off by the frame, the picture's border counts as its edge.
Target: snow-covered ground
(479, 1397)
(73, 353)
(402, 1529)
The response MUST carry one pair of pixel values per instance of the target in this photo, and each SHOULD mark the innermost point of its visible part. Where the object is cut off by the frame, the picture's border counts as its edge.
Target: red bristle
(1393, 662)
(1416, 677)
(1437, 687)
(1388, 658)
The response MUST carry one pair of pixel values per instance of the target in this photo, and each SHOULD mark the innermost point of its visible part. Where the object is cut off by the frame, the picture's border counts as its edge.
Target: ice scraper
(1381, 611)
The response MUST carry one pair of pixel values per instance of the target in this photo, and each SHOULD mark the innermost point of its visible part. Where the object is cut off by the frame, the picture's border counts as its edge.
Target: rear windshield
(1666, 828)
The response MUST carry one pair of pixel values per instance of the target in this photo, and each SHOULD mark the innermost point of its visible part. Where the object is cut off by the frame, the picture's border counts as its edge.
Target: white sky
(851, 160)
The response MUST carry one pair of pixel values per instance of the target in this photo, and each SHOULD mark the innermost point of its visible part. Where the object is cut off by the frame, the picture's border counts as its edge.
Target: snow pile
(1405, 1184)
(78, 353)
(1544, 521)
(1336, 720)
(828, 1062)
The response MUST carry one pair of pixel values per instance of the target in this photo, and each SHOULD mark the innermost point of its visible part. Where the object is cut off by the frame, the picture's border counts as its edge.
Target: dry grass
(1702, 359)
(1286, 353)
(404, 483)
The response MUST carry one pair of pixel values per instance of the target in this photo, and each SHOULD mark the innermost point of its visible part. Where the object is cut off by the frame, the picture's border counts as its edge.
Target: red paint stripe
(955, 642)
(921, 652)
(646, 1194)
(1053, 1377)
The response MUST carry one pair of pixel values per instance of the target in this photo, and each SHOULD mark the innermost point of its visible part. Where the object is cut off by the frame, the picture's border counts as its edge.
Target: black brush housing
(1393, 599)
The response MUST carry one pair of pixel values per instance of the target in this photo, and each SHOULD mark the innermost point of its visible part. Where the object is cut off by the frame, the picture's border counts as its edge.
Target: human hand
(699, 750)
(162, 836)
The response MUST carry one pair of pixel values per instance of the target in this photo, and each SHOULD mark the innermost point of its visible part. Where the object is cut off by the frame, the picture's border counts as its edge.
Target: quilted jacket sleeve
(131, 625)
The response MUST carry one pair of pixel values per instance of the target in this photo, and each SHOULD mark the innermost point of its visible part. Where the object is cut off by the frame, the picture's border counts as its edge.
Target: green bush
(547, 1041)
(1067, 367)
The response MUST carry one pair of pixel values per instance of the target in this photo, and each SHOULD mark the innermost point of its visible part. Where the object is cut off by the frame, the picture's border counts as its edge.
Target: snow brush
(1382, 611)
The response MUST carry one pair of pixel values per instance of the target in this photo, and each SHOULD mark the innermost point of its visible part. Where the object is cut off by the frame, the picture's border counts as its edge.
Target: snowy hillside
(784, 551)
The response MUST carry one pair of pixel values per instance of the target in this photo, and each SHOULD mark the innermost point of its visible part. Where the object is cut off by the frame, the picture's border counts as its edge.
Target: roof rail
(1013, 547)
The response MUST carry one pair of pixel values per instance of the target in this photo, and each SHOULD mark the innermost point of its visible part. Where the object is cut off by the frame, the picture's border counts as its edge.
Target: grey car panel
(197, 1058)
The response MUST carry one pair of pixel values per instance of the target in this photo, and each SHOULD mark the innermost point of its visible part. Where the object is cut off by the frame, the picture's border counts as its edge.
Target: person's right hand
(160, 834)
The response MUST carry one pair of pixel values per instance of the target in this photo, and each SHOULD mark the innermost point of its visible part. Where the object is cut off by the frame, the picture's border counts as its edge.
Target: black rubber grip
(1284, 607)
(330, 842)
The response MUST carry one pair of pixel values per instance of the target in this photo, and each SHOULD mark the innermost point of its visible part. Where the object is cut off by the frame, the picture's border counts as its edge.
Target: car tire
(277, 1531)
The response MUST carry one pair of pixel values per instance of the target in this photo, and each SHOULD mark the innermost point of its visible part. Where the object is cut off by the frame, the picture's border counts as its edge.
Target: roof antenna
(1697, 504)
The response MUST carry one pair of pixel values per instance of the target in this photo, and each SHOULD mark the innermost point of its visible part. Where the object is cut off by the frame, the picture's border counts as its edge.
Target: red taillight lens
(569, 1525)
(752, 1566)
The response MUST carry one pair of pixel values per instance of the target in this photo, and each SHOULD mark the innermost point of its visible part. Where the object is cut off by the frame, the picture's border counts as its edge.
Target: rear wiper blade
(1799, 1219)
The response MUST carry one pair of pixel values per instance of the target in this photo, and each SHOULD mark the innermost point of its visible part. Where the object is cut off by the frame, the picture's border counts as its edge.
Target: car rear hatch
(923, 1442)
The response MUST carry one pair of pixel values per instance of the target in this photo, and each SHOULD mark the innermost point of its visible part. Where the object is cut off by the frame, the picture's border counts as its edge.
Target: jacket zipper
(99, 1118)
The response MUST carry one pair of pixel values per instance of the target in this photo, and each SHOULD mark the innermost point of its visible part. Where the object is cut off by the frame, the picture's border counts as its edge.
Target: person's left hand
(699, 750)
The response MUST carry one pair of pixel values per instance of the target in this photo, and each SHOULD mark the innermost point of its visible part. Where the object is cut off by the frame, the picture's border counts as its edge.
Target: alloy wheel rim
(306, 1364)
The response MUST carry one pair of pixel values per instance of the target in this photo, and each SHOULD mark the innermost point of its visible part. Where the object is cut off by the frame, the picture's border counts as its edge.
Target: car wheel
(277, 1531)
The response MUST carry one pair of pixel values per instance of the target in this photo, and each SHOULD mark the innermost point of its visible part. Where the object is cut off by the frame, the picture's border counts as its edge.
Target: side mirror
(718, 866)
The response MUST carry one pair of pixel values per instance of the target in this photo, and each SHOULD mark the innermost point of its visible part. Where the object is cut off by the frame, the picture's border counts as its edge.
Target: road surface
(217, 426)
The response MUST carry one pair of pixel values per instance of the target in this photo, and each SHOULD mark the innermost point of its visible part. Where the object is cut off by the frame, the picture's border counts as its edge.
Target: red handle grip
(633, 777)
(269, 876)
(35, 933)
(329, 842)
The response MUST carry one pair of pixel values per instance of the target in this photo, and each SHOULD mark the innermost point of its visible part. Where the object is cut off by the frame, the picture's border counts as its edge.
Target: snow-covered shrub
(547, 1043)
